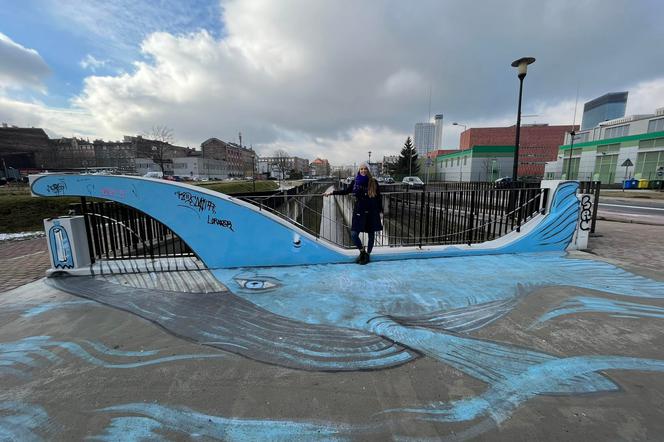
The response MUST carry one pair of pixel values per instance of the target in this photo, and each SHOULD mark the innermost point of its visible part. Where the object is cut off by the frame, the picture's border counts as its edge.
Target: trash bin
(656, 184)
(628, 184)
(67, 243)
(643, 184)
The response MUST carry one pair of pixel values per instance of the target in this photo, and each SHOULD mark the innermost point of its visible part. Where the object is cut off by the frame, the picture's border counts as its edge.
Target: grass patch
(231, 187)
(21, 212)
(24, 213)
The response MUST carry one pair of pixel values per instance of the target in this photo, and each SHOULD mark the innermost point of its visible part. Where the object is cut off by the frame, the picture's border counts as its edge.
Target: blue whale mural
(225, 232)
(344, 317)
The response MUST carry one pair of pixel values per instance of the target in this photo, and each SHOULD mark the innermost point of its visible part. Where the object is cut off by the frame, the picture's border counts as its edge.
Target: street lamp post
(571, 149)
(460, 165)
(253, 172)
(522, 65)
(464, 129)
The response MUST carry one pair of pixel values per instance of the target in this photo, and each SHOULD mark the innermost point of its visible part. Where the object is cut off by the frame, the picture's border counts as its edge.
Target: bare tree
(159, 138)
(281, 160)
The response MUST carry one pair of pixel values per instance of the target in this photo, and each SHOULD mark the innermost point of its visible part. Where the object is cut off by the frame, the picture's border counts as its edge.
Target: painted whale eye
(256, 283)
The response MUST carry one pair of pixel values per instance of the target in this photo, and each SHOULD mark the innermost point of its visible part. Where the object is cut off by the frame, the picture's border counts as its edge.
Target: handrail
(417, 218)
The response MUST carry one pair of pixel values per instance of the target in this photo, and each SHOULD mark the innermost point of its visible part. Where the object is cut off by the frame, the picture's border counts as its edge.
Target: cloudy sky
(326, 78)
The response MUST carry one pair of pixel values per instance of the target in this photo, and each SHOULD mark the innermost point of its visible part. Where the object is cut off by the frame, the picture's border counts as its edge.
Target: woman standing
(366, 211)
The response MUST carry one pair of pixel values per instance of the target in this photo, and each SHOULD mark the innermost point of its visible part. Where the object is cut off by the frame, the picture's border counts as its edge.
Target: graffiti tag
(113, 193)
(586, 213)
(220, 222)
(56, 188)
(196, 202)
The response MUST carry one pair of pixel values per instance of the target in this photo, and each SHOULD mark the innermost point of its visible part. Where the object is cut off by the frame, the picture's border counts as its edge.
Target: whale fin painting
(225, 232)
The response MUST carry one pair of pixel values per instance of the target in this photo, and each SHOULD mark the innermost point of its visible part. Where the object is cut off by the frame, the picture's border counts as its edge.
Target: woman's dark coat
(366, 212)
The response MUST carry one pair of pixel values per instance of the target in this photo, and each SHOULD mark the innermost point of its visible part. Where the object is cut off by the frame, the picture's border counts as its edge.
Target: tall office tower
(604, 108)
(438, 132)
(424, 138)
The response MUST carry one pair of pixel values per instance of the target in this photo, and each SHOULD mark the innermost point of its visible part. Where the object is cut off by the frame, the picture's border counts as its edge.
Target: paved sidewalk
(620, 240)
(637, 247)
(22, 261)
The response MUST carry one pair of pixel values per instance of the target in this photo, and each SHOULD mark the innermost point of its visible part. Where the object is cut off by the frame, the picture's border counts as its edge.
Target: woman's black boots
(363, 258)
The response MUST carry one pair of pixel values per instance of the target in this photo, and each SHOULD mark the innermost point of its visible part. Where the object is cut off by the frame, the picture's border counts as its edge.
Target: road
(648, 211)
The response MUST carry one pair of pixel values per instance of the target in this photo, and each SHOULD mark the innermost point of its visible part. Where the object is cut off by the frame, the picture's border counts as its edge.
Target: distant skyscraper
(424, 138)
(604, 108)
(438, 132)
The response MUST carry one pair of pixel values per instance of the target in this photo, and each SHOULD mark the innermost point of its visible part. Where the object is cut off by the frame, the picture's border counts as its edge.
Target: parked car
(413, 181)
(504, 182)
(388, 179)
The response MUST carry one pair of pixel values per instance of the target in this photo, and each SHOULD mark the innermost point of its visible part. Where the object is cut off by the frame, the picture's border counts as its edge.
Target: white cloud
(21, 67)
(346, 148)
(337, 79)
(57, 122)
(90, 62)
(645, 97)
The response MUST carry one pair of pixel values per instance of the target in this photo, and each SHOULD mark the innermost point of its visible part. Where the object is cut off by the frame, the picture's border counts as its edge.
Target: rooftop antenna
(572, 133)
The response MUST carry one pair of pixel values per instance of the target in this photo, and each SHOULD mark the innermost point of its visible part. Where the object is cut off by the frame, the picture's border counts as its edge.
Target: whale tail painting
(225, 232)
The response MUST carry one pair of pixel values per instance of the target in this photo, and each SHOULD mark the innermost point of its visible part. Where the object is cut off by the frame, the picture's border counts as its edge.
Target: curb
(629, 221)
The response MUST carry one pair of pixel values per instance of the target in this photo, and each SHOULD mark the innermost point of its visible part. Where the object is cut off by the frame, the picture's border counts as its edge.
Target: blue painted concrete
(586, 304)
(21, 422)
(225, 232)
(191, 424)
(35, 350)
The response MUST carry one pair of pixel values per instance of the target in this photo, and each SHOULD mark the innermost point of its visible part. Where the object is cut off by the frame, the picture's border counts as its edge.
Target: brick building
(21, 147)
(240, 161)
(538, 143)
(320, 167)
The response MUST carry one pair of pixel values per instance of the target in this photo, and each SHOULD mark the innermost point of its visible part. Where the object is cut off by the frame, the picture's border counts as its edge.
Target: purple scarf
(361, 183)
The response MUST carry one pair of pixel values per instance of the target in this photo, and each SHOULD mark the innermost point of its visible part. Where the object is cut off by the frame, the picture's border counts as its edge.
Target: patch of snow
(20, 235)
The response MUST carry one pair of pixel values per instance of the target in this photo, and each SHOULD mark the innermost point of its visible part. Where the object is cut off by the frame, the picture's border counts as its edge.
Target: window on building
(656, 125)
(573, 170)
(581, 137)
(617, 131)
(608, 148)
(647, 164)
(605, 168)
(651, 143)
(465, 160)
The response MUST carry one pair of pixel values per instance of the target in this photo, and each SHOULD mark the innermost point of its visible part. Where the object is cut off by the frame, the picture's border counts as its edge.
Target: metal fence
(476, 213)
(116, 231)
(417, 218)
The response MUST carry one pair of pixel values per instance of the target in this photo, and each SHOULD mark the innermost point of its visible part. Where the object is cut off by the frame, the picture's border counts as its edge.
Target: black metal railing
(458, 216)
(116, 231)
(417, 218)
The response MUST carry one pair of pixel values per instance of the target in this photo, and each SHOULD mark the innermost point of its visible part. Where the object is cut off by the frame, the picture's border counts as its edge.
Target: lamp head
(522, 65)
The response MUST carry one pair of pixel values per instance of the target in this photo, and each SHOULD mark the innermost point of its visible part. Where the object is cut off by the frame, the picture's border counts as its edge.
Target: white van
(154, 175)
